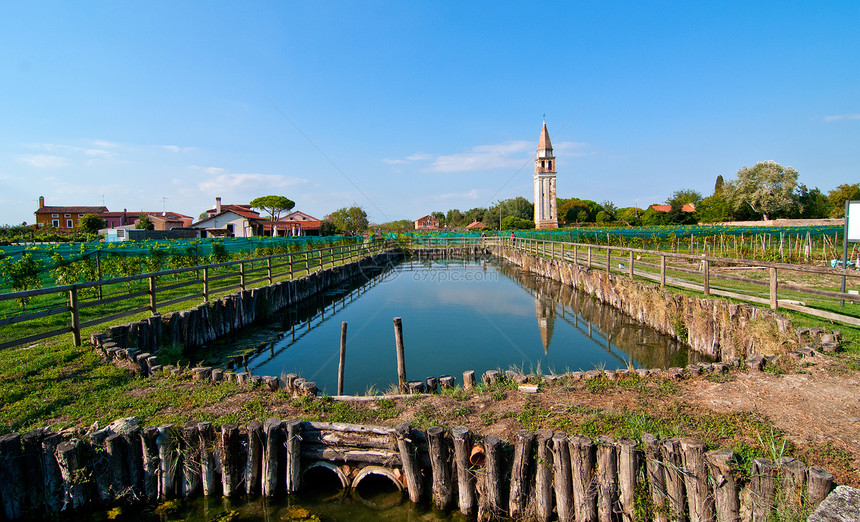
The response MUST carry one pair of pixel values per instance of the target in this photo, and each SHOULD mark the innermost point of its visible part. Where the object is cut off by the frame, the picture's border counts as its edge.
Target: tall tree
(812, 204)
(767, 188)
(144, 223)
(840, 195)
(273, 205)
(350, 221)
(91, 224)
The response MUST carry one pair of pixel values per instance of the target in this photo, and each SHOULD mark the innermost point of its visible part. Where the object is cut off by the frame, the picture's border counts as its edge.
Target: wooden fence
(207, 280)
(706, 274)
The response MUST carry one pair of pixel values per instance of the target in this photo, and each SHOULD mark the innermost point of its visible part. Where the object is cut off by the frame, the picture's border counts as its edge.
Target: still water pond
(457, 315)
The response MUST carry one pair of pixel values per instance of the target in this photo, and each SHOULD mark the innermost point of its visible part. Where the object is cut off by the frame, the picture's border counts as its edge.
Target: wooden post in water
(254, 463)
(490, 505)
(443, 489)
(401, 357)
(149, 449)
(273, 429)
(168, 461)
(190, 459)
(468, 379)
(341, 365)
(231, 463)
(519, 494)
(208, 460)
(465, 478)
(293, 429)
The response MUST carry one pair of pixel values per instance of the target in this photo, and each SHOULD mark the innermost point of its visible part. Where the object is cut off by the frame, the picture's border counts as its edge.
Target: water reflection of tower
(545, 311)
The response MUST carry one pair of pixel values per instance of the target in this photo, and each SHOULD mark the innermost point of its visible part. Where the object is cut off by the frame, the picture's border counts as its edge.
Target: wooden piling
(134, 460)
(293, 433)
(543, 475)
(342, 363)
(628, 468)
(819, 483)
(446, 382)
(762, 488)
(562, 477)
(490, 501)
(11, 485)
(76, 490)
(468, 380)
(672, 468)
(190, 459)
(168, 461)
(654, 477)
(232, 463)
(273, 429)
(52, 480)
(31, 464)
(792, 481)
(208, 460)
(254, 463)
(607, 479)
(149, 448)
(520, 473)
(117, 456)
(465, 478)
(409, 460)
(401, 357)
(726, 498)
(442, 487)
(700, 503)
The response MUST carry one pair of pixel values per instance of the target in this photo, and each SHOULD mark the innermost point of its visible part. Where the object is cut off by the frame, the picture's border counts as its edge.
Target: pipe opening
(378, 487)
(324, 481)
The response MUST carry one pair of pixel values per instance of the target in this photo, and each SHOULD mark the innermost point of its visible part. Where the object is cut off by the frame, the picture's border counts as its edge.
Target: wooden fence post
(206, 283)
(242, 276)
(706, 277)
(269, 270)
(409, 460)
(152, 300)
(662, 271)
(774, 303)
(630, 273)
(76, 321)
(608, 260)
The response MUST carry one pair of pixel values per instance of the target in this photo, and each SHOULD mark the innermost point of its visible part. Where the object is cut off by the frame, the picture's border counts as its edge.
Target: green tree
(684, 196)
(632, 216)
(610, 209)
(455, 218)
(91, 224)
(516, 223)
(840, 195)
(714, 209)
(812, 203)
(350, 221)
(273, 205)
(719, 184)
(767, 188)
(144, 223)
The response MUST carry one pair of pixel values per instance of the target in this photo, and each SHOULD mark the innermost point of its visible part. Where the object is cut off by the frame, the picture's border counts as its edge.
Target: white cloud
(176, 148)
(511, 154)
(44, 161)
(225, 181)
(840, 117)
(420, 157)
(390, 161)
(472, 194)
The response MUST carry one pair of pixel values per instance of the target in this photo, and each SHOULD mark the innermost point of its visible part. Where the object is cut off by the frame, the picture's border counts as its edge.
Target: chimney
(41, 201)
(218, 205)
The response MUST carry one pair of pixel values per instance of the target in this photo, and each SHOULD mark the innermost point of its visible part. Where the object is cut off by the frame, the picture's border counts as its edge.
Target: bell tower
(546, 213)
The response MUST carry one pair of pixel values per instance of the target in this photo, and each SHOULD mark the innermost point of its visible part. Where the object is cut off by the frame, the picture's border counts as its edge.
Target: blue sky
(408, 107)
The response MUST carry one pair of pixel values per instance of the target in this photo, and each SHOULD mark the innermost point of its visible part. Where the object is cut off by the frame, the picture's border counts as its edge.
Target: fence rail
(202, 281)
(708, 275)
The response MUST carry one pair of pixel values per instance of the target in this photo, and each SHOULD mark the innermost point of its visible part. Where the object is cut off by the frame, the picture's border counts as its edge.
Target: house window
(80, 215)
(55, 215)
(67, 215)
(55, 223)
(70, 223)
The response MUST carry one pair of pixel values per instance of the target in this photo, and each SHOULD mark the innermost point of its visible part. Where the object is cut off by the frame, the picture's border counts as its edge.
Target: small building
(686, 207)
(160, 220)
(296, 224)
(428, 222)
(63, 218)
(476, 225)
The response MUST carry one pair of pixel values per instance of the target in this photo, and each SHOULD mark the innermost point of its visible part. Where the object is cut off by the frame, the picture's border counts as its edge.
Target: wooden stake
(232, 462)
(543, 476)
(465, 478)
(490, 505)
(273, 430)
(726, 500)
(628, 465)
(342, 363)
(654, 477)
(293, 429)
(401, 358)
(11, 485)
(819, 483)
(254, 463)
(409, 460)
(672, 463)
(699, 501)
(562, 477)
(607, 479)
(443, 488)
(208, 460)
(762, 488)
(520, 471)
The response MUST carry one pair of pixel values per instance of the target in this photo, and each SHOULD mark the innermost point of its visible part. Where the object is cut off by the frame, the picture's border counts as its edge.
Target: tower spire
(546, 214)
